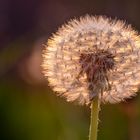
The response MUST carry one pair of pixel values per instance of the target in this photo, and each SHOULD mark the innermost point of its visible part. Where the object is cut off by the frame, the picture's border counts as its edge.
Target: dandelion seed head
(93, 56)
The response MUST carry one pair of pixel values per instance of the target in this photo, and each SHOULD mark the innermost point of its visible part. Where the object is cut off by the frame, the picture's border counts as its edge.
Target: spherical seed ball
(93, 56)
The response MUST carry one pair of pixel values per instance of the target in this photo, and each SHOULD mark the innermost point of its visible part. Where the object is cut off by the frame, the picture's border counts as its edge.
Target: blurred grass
(35, 114)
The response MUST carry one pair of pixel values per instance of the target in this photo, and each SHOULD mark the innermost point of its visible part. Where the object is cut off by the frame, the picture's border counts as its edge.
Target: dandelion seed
(93, 56)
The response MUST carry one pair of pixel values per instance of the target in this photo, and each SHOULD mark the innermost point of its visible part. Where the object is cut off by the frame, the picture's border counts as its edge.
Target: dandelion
(91, 60)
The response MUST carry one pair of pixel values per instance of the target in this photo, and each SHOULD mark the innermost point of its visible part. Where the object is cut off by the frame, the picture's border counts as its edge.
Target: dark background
(28, 108)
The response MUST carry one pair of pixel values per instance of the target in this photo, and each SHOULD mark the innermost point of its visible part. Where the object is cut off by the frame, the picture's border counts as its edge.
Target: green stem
(95, 107)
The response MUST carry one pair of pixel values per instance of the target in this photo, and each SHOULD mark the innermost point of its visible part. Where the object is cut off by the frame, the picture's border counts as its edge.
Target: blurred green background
(29, 110)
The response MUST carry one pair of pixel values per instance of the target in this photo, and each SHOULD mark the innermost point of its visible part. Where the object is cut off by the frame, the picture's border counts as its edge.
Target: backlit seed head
(93, 56)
